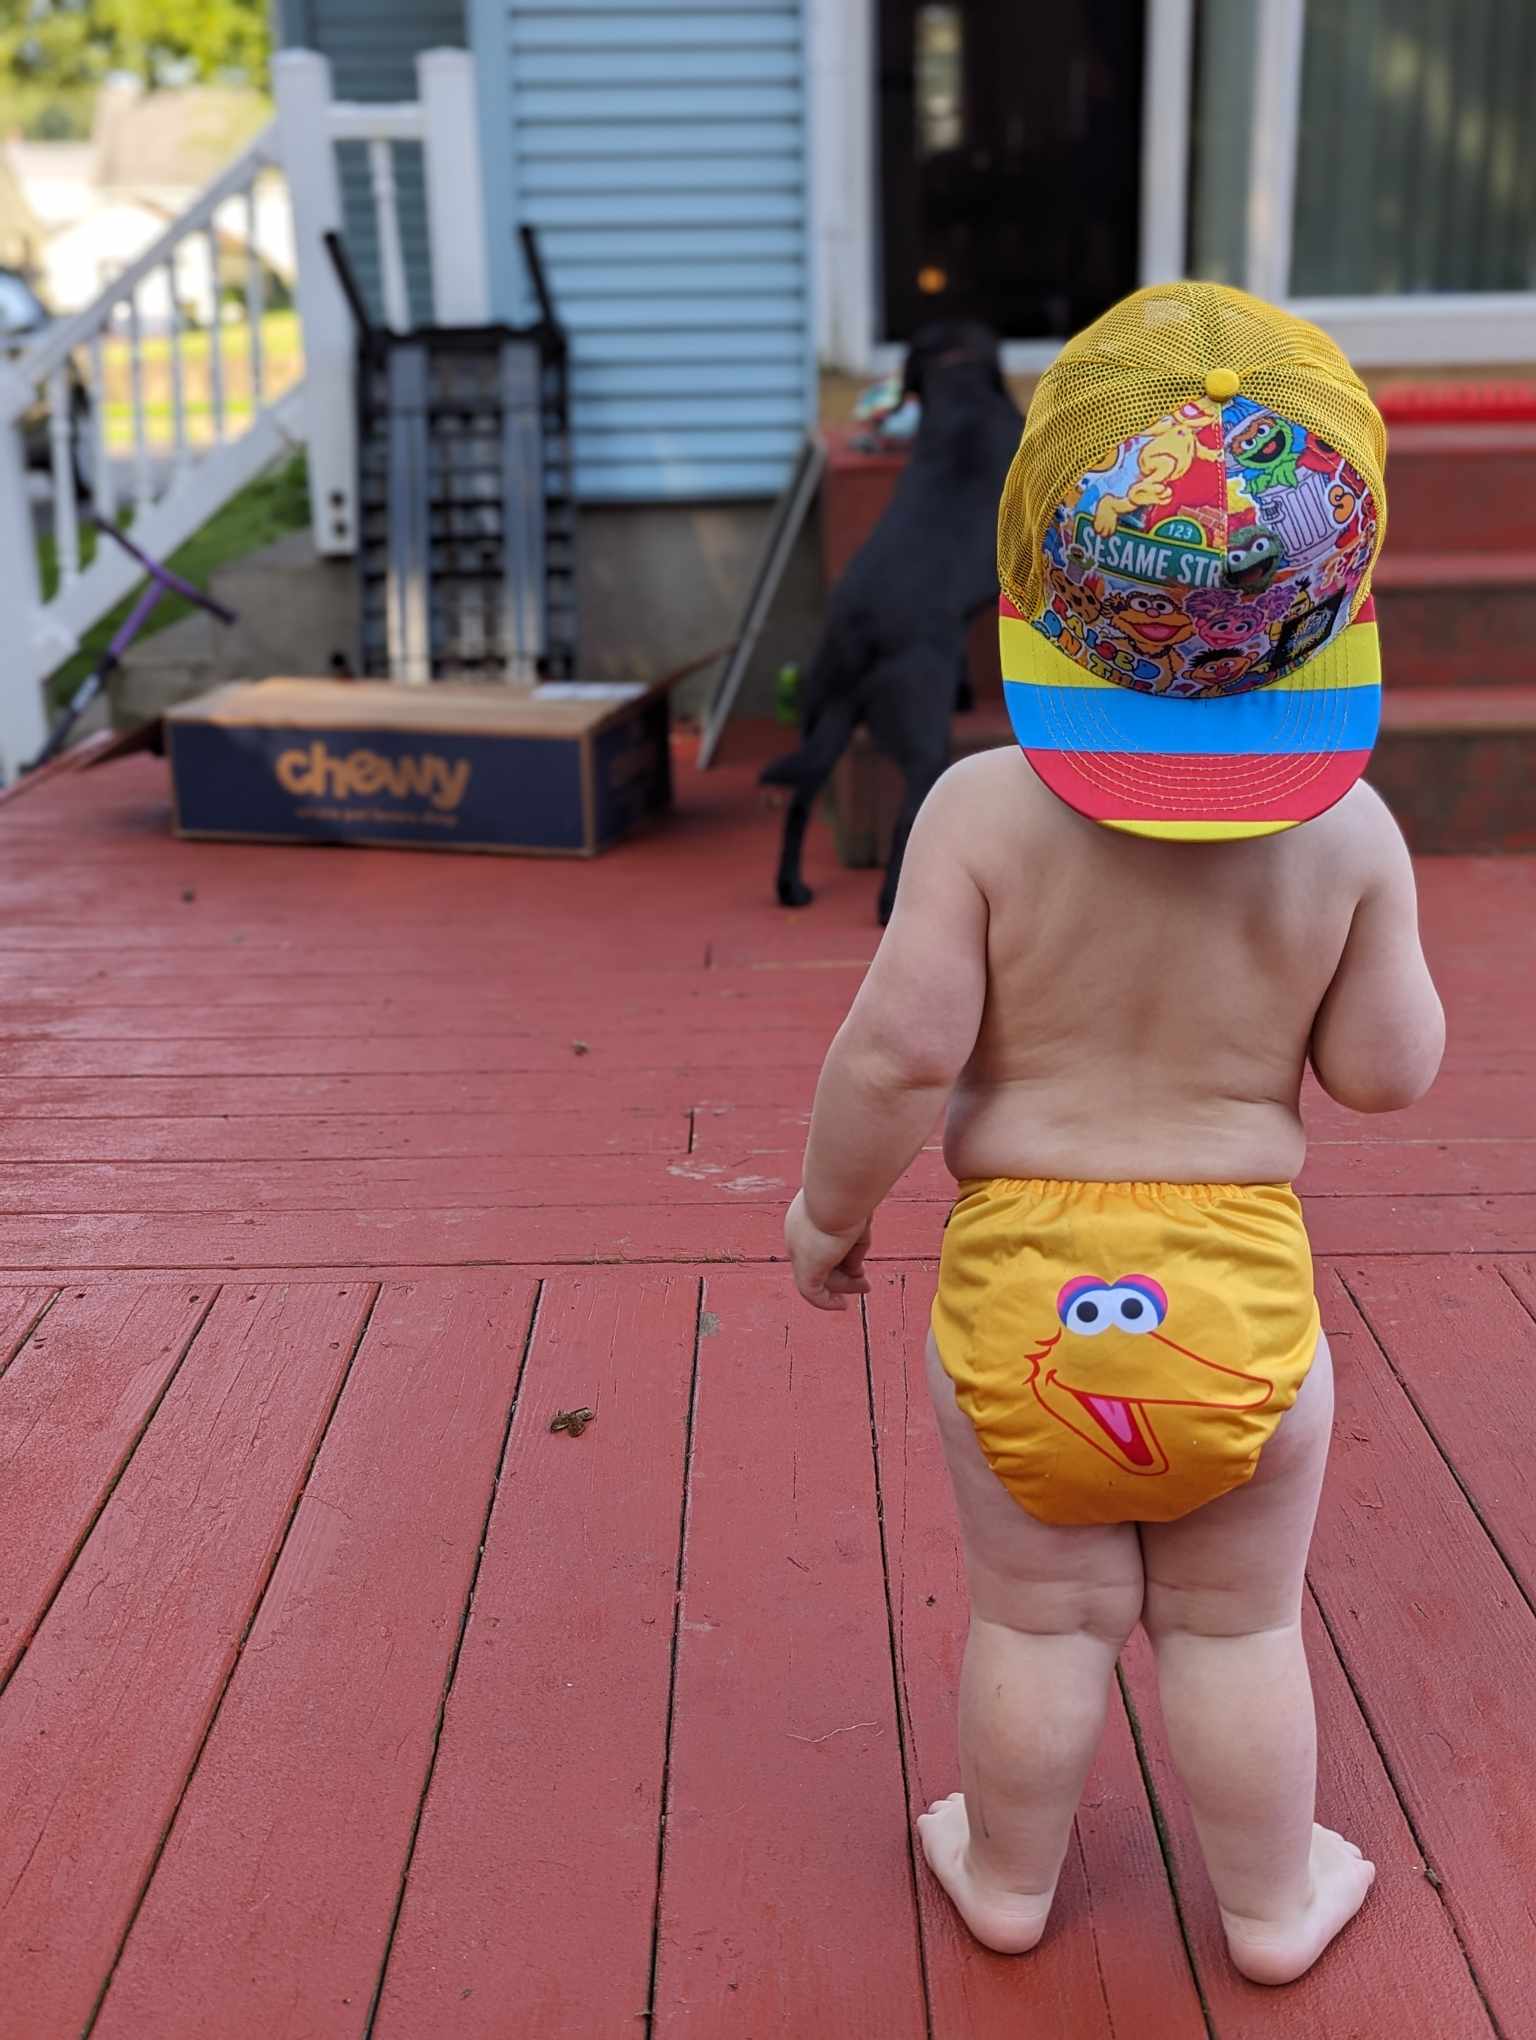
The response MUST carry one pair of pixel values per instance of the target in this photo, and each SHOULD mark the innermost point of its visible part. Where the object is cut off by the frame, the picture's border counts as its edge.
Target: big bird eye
(1135, 1304)
(1084, 1307)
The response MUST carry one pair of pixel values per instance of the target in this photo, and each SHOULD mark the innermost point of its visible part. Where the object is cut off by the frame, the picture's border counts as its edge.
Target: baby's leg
(1223, 1610)
(1050, 1609)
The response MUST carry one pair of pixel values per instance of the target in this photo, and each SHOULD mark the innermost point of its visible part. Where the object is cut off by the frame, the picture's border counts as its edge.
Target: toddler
(1114, 953)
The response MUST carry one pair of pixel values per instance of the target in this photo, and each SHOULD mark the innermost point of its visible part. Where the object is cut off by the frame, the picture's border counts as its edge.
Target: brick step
(1450, 619)
(1456, 765)
(1461, 488)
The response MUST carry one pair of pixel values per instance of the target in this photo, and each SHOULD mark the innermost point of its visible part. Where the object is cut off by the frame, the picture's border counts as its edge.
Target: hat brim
(1245, 765)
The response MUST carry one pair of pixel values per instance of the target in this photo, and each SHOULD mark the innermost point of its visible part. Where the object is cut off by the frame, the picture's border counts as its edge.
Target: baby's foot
(1009, 1921)
(1278, 1951)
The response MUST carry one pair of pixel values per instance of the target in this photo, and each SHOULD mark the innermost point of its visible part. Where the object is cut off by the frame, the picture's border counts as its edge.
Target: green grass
(274, 505)
(282, 365)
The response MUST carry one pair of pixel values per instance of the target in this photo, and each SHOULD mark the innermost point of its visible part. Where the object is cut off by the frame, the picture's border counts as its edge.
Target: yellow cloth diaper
(1124, 1350)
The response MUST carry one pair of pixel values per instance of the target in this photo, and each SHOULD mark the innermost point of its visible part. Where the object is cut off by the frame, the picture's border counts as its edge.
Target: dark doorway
(1010, 153)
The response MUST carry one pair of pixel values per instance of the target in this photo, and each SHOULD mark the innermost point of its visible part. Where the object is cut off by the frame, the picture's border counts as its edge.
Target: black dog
(894, 640)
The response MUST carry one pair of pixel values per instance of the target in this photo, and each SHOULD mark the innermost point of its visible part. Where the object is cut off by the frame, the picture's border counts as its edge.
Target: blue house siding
(372, 46)
(659, 146)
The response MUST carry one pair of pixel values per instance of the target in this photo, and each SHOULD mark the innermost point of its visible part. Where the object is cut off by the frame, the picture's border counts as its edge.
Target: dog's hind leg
(790, 886)
(807, 772)
(921, 774)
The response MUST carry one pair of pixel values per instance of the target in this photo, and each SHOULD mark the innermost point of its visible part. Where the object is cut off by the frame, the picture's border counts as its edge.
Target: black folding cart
(466, 510)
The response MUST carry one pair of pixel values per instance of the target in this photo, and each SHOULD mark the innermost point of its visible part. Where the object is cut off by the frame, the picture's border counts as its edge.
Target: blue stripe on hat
(1266, 720)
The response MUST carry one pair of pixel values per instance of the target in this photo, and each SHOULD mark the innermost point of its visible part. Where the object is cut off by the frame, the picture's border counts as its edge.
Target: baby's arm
(908, 1035)
(1380, 1031)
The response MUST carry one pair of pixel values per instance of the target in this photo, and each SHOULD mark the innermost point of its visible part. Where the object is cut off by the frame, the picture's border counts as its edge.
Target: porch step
(1461, 488)
(1452, 618)
(1455, 764)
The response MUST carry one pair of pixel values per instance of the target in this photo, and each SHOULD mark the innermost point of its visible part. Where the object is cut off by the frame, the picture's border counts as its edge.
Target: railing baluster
(215, 336)
(178, 377)
(106, 469)
(143, 484)
(255, 299)
(66, 520)
(397, 302)
(103, 476)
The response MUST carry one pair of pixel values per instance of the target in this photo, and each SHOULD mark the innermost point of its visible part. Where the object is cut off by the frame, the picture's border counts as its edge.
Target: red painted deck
(341, 1696)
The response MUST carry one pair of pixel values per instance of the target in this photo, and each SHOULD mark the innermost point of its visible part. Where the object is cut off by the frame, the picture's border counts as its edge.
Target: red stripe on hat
(1366, 613)
(1114, 786)
(1007, 608)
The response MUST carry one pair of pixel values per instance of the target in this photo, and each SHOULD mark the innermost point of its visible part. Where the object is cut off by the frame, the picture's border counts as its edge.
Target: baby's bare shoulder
(1356, 842)
(999, 788)
(994, 814)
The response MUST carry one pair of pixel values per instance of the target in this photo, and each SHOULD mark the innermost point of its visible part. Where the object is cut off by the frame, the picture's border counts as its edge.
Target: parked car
(23, 316)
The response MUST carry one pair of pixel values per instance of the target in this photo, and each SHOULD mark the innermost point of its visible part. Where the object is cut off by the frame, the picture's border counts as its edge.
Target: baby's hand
(828, 1267)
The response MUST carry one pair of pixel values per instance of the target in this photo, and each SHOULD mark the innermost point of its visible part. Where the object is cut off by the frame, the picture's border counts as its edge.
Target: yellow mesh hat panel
(1161, 349)
(1185, 544)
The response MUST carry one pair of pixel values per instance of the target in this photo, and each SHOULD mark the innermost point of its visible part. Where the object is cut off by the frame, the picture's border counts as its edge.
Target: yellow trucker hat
(1185, 543)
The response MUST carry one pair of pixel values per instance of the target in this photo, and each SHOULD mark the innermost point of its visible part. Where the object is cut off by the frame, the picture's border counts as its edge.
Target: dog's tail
(825, 742)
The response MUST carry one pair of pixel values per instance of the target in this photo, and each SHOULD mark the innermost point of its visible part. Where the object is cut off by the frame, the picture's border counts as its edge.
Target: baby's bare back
(1149, 1005)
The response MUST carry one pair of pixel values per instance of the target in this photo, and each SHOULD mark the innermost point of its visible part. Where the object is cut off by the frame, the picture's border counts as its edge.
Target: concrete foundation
(661, 584)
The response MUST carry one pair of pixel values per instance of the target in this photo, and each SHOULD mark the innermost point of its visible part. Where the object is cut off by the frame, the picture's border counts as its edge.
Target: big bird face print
(1112, 1371)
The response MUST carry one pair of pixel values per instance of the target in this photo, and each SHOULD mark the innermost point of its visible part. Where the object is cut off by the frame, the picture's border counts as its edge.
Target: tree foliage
(64, 45)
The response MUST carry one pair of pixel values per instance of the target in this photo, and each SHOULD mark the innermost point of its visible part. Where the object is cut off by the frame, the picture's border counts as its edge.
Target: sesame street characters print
(1209, 554)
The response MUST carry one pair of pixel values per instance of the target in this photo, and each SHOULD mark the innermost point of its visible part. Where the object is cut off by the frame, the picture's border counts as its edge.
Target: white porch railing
(67, 396)
(444, 122)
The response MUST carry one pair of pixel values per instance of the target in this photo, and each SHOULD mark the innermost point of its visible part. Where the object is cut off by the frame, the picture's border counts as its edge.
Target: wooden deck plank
(104, 1715)
(444, 1052)
(458, 1237)
(408, 1183)
(298, 971)
(90, 927)
(1498, 1104)
(1521, 1277)
(537, 1012)
(351, 1137)
(582, 1173)
(20, 1310)
(72, 1408)
(1418, 1168)
(1112, 1959)
(312, 1777)
(1336, 1168)
(197, 996)
(744, 1130)
(1393, 1226)
(1495, 1107)
(690, 1233)
(532, 1889)
(404, 1092)
(1464, 1348)
(787, 1894)
(1442, 1650)
(1362, 1989)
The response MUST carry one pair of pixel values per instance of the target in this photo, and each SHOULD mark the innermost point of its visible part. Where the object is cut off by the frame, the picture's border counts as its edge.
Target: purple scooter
(162, 582)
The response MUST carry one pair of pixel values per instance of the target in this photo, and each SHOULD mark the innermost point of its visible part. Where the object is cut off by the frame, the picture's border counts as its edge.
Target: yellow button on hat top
(1222, 383)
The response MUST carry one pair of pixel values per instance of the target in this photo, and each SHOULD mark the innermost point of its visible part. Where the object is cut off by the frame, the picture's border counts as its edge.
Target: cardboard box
(562, 770)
